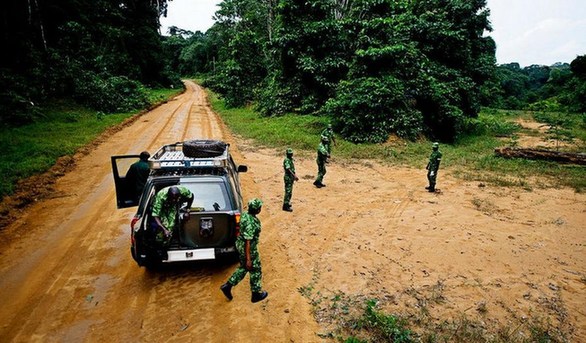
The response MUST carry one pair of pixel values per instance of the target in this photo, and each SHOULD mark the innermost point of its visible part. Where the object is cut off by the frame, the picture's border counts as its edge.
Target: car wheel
(203, 148)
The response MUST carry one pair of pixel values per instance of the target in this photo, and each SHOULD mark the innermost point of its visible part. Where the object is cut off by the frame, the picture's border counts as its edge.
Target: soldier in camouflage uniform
(328, 132)
(432, 166)
(138, 174)
(322, 156)
(289, 178)
(166, 212)
(246, 245)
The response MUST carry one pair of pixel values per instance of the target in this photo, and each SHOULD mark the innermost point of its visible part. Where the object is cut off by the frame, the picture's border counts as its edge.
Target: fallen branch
(542, 154)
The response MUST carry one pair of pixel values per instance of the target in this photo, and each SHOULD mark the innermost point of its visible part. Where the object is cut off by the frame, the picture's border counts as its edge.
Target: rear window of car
(209, 195)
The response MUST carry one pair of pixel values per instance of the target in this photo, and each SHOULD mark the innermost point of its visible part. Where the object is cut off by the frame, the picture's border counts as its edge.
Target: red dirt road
(67, 275)
(497, 255)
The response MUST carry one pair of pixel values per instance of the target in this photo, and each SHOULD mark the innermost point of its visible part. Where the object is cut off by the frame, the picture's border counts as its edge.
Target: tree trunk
(542, 154)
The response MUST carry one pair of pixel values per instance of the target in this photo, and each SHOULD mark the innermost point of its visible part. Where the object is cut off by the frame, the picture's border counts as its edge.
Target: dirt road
(497, 255)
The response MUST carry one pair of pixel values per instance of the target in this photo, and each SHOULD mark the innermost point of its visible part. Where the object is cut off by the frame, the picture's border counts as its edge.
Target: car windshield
(209, 195)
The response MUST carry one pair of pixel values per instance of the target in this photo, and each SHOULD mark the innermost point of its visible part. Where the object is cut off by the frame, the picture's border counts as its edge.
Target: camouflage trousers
(431, 177)
(240, 272)
(321, 170)
(160, 237)
(288, 190)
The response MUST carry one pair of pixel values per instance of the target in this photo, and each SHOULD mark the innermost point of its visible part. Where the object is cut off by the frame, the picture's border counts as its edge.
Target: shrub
(109, 94)
(368, 109)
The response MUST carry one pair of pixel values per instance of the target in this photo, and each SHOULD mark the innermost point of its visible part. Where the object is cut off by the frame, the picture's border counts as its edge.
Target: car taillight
(133, 222)
(237, 228)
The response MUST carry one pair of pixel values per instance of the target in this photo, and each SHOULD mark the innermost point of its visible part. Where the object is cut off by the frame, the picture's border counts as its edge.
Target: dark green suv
(207, 169)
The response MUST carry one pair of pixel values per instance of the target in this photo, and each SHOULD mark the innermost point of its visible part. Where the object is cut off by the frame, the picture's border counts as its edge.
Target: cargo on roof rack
(191, 154)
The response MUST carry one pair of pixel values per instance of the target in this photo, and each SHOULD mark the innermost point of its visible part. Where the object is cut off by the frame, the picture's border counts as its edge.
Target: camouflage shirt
(434, 160)
(289, 167)
(322, 152)
(249, 229)
(167, 211)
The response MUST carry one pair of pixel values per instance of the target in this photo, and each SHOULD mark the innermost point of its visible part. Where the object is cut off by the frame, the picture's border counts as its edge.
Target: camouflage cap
(435, 145)
(289, 151)
(325, 139)
(329, 126)
(255, 204)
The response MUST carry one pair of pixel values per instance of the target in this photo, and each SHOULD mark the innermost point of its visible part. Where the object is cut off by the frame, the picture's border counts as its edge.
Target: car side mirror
(242, 169)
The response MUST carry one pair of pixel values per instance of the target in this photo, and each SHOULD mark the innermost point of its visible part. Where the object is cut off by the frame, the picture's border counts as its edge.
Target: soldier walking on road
(322, 156)
(432, 166)
(289, 178)
(247, 247)
(328, 132)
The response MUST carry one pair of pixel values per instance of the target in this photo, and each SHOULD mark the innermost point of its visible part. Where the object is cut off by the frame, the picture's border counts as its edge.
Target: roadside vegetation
(471, 157)
(62, 128)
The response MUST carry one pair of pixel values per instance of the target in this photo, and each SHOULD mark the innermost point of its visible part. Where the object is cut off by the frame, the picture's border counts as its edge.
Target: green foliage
(374, 67)
(57, 47)
(112, 94)
(491, 125)
(34, 148)
(240, 36)
(276, 97)
(561, 86)
(369, 109)
(63, 128)
(471, 155)
(382, 327)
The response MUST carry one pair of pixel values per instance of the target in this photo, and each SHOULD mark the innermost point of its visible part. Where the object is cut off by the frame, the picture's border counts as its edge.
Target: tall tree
(428, 58)
(242, 32)
(92, 49)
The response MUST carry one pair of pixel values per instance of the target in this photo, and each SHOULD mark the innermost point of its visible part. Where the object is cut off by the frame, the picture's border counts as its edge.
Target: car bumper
(197, 254)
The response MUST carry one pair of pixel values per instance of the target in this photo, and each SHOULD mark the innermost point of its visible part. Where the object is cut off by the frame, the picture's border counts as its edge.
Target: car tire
(202, 148)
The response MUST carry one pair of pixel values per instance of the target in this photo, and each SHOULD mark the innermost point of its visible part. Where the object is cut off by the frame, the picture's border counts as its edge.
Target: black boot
(256, 297)
(431, 189)
(287, 207)
(227, 290)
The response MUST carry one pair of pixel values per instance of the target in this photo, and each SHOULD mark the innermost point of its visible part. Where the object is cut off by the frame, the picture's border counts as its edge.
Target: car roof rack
(172, 157)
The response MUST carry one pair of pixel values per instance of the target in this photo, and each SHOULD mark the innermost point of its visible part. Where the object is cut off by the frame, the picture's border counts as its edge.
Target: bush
(368, 109)
(109, 94)
(276, 98)
(16, 106)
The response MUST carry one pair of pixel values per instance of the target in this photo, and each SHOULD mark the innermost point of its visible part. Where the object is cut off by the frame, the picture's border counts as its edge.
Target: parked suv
(207, 169)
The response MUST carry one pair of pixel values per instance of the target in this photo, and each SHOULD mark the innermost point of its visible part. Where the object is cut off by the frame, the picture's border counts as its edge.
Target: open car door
(125, 194)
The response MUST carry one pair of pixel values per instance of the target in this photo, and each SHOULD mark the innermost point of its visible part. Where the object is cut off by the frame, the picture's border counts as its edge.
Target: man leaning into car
(166, 211)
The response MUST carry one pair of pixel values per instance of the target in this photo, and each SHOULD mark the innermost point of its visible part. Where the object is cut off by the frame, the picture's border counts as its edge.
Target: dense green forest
(100, 53)
(373, 67)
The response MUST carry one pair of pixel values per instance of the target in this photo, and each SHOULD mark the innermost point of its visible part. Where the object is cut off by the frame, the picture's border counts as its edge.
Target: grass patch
(470, 158)
(64, 127)
(357, 319)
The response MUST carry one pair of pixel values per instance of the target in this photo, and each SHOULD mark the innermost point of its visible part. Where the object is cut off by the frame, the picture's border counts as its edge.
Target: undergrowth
(63, 128)
(471, 157)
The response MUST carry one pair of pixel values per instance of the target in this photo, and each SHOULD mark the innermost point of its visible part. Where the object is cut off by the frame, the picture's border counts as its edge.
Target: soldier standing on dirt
(166, 211)
(247, 247)
(289, 178)
(138, 174)
(432, 166)
(322, 156)
(328, 132)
